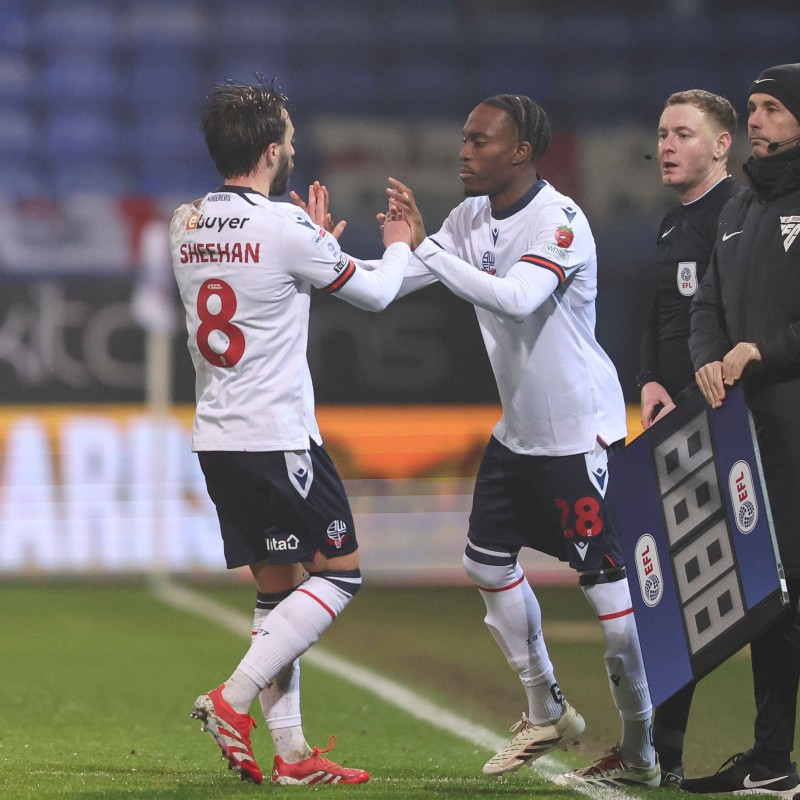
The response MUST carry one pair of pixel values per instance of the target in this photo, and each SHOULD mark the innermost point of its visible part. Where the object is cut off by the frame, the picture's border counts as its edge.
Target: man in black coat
(745, 325)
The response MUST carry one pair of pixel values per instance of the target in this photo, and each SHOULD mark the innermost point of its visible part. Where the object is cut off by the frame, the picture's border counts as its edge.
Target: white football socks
(627, 680)
(280, 700)
(514, 617)
(239, 691)
(286, 633)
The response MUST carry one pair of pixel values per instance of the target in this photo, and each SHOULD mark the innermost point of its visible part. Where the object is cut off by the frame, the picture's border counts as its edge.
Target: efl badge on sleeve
(688, 500)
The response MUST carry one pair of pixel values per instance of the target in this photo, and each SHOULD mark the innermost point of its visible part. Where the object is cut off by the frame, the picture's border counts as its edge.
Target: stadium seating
(89, 175)
(248, 22)
(350, 86)
(161, 81)
(244, 66)
(80, 25)
(18, 130)
(15, 32)
(670, 35)
(180, 25)
(16, 77)
(82, 134)
(85, 77)
(699, 72)
(77, 79)
(422, 29)
(168, 150)
(782, 29)
(20, 176)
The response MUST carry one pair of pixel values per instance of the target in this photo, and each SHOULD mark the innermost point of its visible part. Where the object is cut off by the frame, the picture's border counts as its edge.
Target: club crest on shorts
(300, 470)
(337, 533)
(687, 278)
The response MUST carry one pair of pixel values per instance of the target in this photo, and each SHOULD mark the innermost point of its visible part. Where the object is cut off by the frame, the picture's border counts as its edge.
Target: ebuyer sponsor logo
(200, 221)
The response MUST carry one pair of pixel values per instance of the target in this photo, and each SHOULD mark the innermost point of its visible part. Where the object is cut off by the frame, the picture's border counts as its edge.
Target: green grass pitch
(98, 682)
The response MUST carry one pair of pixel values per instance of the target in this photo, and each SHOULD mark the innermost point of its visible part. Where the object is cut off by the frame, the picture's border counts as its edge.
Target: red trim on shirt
(547, 264)
(342, 279)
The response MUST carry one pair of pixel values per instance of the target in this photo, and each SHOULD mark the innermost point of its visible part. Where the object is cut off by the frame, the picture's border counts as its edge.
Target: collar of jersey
(709, 192)
(240, 190)
(522, 202)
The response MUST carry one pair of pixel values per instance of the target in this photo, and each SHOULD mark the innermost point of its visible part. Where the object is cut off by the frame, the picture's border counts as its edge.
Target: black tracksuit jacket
(751, 293)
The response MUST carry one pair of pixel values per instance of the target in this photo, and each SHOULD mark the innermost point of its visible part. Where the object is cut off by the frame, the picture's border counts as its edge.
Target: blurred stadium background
(99, 142)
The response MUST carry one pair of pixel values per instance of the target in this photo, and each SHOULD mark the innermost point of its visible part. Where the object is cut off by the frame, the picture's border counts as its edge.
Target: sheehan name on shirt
(220, 253)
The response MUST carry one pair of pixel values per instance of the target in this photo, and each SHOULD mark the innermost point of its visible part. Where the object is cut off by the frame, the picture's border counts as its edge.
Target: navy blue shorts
(280, 507)
(551, 504)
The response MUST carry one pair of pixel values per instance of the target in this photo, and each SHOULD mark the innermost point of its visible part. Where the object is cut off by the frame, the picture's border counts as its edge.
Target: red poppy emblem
(564, 236)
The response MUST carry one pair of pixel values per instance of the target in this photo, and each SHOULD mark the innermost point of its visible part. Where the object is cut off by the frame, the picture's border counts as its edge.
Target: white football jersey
(245, 267)
(531, 272)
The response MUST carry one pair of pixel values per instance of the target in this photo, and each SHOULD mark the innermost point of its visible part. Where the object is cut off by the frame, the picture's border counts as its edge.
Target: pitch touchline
(386, 689)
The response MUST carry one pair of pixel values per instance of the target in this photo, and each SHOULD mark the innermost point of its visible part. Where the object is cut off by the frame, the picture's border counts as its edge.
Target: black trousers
(776, 674)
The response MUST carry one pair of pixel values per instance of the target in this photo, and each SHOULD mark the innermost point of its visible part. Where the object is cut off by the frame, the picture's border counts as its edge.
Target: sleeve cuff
(645, 377)
(395, 245)
(426, 249)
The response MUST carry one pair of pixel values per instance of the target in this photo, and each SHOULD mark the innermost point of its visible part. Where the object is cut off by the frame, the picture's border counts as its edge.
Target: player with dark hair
(745, 326)
(695, 134)
(245, 267)
(524, 255)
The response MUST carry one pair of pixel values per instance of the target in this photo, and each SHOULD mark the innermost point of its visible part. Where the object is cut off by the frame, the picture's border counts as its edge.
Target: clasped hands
(712, 378)
(402, 209)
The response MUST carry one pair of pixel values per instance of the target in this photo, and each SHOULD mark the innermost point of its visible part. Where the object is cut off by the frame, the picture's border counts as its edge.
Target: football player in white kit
(245, 266)
(524, 255)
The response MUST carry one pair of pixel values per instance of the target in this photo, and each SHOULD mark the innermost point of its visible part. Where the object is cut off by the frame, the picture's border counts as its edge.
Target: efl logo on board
(743, 496)
(648, 568)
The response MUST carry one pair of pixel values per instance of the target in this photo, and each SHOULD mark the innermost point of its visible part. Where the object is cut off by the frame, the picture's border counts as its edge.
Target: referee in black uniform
(695, 134)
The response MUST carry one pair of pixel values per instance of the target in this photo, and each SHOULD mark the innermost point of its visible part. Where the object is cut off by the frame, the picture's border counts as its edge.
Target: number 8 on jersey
(218, 339)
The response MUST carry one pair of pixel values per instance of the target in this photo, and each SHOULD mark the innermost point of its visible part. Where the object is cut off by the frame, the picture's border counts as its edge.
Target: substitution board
(688, 500)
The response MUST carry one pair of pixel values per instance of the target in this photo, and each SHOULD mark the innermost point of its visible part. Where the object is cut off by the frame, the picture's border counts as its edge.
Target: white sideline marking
(389, 691)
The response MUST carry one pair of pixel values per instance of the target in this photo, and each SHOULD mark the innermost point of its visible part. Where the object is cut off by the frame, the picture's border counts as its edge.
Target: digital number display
(700, 545)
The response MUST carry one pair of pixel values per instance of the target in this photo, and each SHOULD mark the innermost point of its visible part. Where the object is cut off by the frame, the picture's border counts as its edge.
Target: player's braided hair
(529, 117)
(239, 122)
